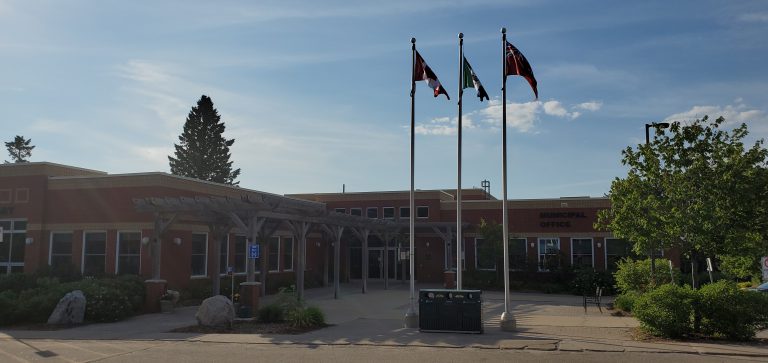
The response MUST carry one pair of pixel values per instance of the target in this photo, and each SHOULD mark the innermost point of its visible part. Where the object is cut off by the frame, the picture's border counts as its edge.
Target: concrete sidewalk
(545, 322)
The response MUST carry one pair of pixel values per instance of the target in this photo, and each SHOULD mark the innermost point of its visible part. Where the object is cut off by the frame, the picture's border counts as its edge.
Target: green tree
(202, 151)
(20, 149)
(696, 188)
(492, 249)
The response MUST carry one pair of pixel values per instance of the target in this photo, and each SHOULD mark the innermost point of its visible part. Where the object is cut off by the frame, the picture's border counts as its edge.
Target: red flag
(422, 72)
(517, 65)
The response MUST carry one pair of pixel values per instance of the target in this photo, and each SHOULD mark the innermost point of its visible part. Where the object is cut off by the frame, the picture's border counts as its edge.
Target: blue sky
(316, 92)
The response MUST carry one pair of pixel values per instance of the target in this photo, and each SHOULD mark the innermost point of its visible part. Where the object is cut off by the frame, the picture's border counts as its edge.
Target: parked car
(761, 288)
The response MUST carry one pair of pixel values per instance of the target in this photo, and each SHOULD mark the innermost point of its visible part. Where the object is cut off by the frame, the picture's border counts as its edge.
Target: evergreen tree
(19, 149)
(202, 151)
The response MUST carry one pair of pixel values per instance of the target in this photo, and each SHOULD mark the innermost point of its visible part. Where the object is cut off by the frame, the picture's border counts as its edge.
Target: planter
(166, 306)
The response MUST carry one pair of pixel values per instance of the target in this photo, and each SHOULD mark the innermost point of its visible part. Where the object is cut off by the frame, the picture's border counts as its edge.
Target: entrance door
(376, 263)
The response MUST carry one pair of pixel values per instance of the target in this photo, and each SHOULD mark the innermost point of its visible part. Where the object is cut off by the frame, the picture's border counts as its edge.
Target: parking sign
(253, 251)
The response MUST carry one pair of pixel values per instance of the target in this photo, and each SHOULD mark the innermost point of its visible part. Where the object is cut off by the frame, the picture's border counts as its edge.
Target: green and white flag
(471, 80)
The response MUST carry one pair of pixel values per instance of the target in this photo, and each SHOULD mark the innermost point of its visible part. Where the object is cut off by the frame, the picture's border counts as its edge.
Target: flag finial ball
(461, 35)
(413, 40)
(503, 30)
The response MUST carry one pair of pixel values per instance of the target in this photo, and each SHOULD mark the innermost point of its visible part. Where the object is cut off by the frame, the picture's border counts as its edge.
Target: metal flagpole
(458, 183)
(411, 317)
(508, 321)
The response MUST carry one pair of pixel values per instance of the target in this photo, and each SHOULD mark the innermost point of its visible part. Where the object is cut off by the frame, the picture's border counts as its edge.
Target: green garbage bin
(458, 311)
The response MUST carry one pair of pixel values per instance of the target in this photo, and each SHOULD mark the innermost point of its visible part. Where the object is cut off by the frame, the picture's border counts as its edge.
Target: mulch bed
(248, 327)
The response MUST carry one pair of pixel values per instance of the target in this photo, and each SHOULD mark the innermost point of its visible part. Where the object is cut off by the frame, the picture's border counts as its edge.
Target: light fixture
(599, 245)
(177, 241)
(145, 240)
(533, 245)
(29, 240)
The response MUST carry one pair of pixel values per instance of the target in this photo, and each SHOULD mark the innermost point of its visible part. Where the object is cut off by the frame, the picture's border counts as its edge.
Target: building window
(241, 248)
(60, 250)
(388, 212)
(372, 212)
(450, 255)
(356, 212)
(422, 212)
(340, 210)
(288, 254)
(224, 256)
(128, 253)
(94, 253)
(12, 248)
(484, 256)
(273, 263)
(405, 212)
(199, 261)
(549, 254)
(518, 254)
(581, 252)
(615, 250)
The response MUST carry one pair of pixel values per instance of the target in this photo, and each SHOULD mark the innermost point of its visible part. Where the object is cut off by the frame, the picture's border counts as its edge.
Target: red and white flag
(517, 65)
(422, 72)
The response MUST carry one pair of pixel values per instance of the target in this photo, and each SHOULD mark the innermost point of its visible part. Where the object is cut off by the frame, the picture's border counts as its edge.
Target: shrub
(197, 290)
(626, 301)
(17, 282)
(666, 311)
(306, 317)
(36, 305)
(272, 313)
(635, 275)
(106, 304)
(8, 307)
(730, 312)
(587, 280)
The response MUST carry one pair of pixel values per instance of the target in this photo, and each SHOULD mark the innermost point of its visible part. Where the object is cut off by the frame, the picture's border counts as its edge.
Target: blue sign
(253, 251)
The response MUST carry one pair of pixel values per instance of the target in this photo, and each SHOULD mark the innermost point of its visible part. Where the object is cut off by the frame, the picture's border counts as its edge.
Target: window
(450, 255)
(549, 253)
(288, 254)
(422, 212)
(518, 255)
(615, 250)
(405, 212)
(60, 250)
(94, 253)
(13, 247)
(224, 256)
(241, 248)
(356, 211)
(128, 253)
(388, 212)
(372, 212)
(199, 260)
(340, 210)
(484, 256)
(581, 252)
(273, 263)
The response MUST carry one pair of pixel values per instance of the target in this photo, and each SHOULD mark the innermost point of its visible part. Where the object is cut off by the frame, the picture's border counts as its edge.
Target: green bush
(197, 290)
(587, 280)
(36, 305)
(17, 282)
(306, 317)
(104, 303)
(272, 313)
(8, 307)
(635, 275)
(730, 312)
(626, 301)
(666, 311)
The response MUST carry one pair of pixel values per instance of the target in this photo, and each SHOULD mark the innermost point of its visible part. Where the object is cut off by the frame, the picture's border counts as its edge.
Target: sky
(316, 93)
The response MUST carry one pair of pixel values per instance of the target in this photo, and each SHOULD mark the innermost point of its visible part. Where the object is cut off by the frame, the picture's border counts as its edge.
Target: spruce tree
(202, 151)
(19, 149)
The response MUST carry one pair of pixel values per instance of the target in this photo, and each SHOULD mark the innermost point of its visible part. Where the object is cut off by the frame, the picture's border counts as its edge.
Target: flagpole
(458, 182)
(507, 320)
(411, 317)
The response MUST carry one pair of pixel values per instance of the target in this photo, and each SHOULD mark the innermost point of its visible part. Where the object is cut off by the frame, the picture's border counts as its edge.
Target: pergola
(260, 216)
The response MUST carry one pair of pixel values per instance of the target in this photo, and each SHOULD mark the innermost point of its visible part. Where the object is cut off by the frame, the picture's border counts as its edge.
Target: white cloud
(555, 108)
(755, 17)
(444, 126)
(590, 106)
(520, 116)
(737, 113)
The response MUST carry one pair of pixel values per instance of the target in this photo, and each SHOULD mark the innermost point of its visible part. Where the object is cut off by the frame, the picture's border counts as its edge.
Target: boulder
(69, 310)
(215, 311)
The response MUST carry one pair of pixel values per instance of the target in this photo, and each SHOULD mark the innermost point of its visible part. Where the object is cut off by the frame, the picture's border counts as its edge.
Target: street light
(659, 126)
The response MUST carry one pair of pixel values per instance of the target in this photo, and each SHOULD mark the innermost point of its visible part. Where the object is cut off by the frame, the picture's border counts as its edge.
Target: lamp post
(659, 126)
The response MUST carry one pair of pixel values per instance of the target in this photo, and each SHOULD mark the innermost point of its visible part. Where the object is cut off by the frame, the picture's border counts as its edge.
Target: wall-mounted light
(29, 240)
(177, 241)
(317, 244)
(599, 245)
(145, 240)
(533, 245)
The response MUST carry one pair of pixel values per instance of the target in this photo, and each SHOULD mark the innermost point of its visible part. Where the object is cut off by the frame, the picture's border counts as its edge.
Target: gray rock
(215, 311)
(69, 310)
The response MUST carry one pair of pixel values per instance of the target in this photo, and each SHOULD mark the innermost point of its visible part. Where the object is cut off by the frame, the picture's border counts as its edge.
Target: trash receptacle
(458, 311)
(449, 279)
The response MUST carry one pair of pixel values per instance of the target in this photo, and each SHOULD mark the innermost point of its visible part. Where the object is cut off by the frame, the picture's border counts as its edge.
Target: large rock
(69, 310)
(215, 311)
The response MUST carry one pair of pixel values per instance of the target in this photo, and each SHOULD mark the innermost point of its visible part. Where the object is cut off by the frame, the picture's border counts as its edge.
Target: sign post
(231, 273)
(709, 269)
(671, 275)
